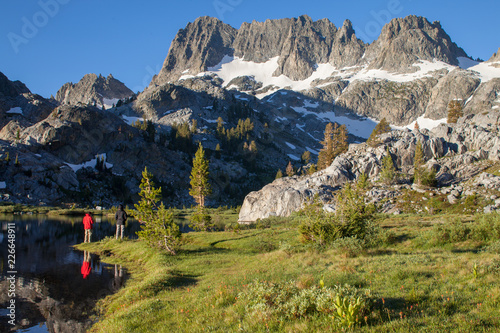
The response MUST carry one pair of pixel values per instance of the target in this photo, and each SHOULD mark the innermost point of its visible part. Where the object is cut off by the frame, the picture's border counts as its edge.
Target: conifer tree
(289, 169)
(279, 174)
(220, 127)
(334, 144)
(201, 220)
(253, 147)
(200, 187)
(218, 151)
(416, 127)
(418, 163)
(382, 127)
(306, 157)
(312, 169)
(388, 172)
(454, 111)
(340, 140)
(158, 228)
(325, 157)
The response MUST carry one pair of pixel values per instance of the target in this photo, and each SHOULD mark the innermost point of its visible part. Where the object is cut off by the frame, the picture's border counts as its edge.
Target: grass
(416, 285)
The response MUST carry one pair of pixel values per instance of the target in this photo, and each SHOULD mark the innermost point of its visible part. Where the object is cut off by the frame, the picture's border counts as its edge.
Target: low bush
(349, 247)
(484, 228)
(286, 301)
(352, 218)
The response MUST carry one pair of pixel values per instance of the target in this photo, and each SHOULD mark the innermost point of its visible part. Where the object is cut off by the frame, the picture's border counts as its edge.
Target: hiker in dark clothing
(121, 217)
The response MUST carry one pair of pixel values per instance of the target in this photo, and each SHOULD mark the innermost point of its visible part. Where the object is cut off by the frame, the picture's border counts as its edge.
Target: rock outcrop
(404, 41)
(495, 57)
(17, 102)
(472, 140)
(93, 90)
(200, 45)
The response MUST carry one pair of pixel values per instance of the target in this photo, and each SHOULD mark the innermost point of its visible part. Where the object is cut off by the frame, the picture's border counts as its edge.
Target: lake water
(56, 286)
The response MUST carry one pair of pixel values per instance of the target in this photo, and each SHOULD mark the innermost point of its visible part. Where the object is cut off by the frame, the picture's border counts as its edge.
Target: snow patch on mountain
(425, 123)
(16, 110)
(130, 120)
(109, 103)
(91, 163)
(426, 68)
(487, 70)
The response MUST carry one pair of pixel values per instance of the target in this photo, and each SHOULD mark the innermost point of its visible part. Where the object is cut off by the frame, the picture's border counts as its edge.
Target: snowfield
(232, 67)
(16, 110)
(90, 163)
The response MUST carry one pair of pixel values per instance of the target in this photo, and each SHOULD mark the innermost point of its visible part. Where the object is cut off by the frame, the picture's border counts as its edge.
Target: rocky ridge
(94, 90)
(411, 71)
(458, 152)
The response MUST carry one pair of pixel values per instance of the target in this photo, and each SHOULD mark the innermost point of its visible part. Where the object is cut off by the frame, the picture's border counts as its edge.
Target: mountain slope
(396, 77)
(93, 90)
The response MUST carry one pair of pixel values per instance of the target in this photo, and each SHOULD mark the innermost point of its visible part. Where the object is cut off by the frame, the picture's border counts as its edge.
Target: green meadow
(425, 273)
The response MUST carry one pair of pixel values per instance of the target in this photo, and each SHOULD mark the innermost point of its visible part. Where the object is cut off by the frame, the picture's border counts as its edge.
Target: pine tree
(201, 220)
(253, 147)
(340, 140)
(334, 144)
(158, 228)
(388, 172)
(325, 157)
(218, 151)
(279, 174)
(416, 127)
(382, 127)
(418, 164)
(312, 169)
(200, 187)
(454, 111)
(421, 175)
(289, 169)
(220, 127)
(306, 157)
(194, 126)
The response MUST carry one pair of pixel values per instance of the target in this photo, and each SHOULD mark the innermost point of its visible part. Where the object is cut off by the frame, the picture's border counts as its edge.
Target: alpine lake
(56, 287)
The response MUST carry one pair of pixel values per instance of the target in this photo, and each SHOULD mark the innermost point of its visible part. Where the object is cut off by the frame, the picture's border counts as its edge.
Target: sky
(46, 43)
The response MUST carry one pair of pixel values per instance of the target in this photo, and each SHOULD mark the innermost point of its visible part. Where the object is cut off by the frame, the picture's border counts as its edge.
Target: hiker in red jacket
(88, 222)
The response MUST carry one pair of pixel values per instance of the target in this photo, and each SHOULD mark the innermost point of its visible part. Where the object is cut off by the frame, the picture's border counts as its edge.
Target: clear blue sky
(46, 43)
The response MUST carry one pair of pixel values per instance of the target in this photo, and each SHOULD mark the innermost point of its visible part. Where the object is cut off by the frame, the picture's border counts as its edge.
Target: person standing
(88, 222)
(121, 217)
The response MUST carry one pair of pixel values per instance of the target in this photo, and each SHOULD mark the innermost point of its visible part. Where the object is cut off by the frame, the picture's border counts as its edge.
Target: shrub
(350, 247)
(450, 232)
(493, 248)
(351, 218)
(316, 226)
(201, 220)
(287, 301)
(486, 227)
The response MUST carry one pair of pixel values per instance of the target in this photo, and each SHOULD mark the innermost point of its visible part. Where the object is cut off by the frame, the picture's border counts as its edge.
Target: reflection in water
(56, 286)
(86, 268)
